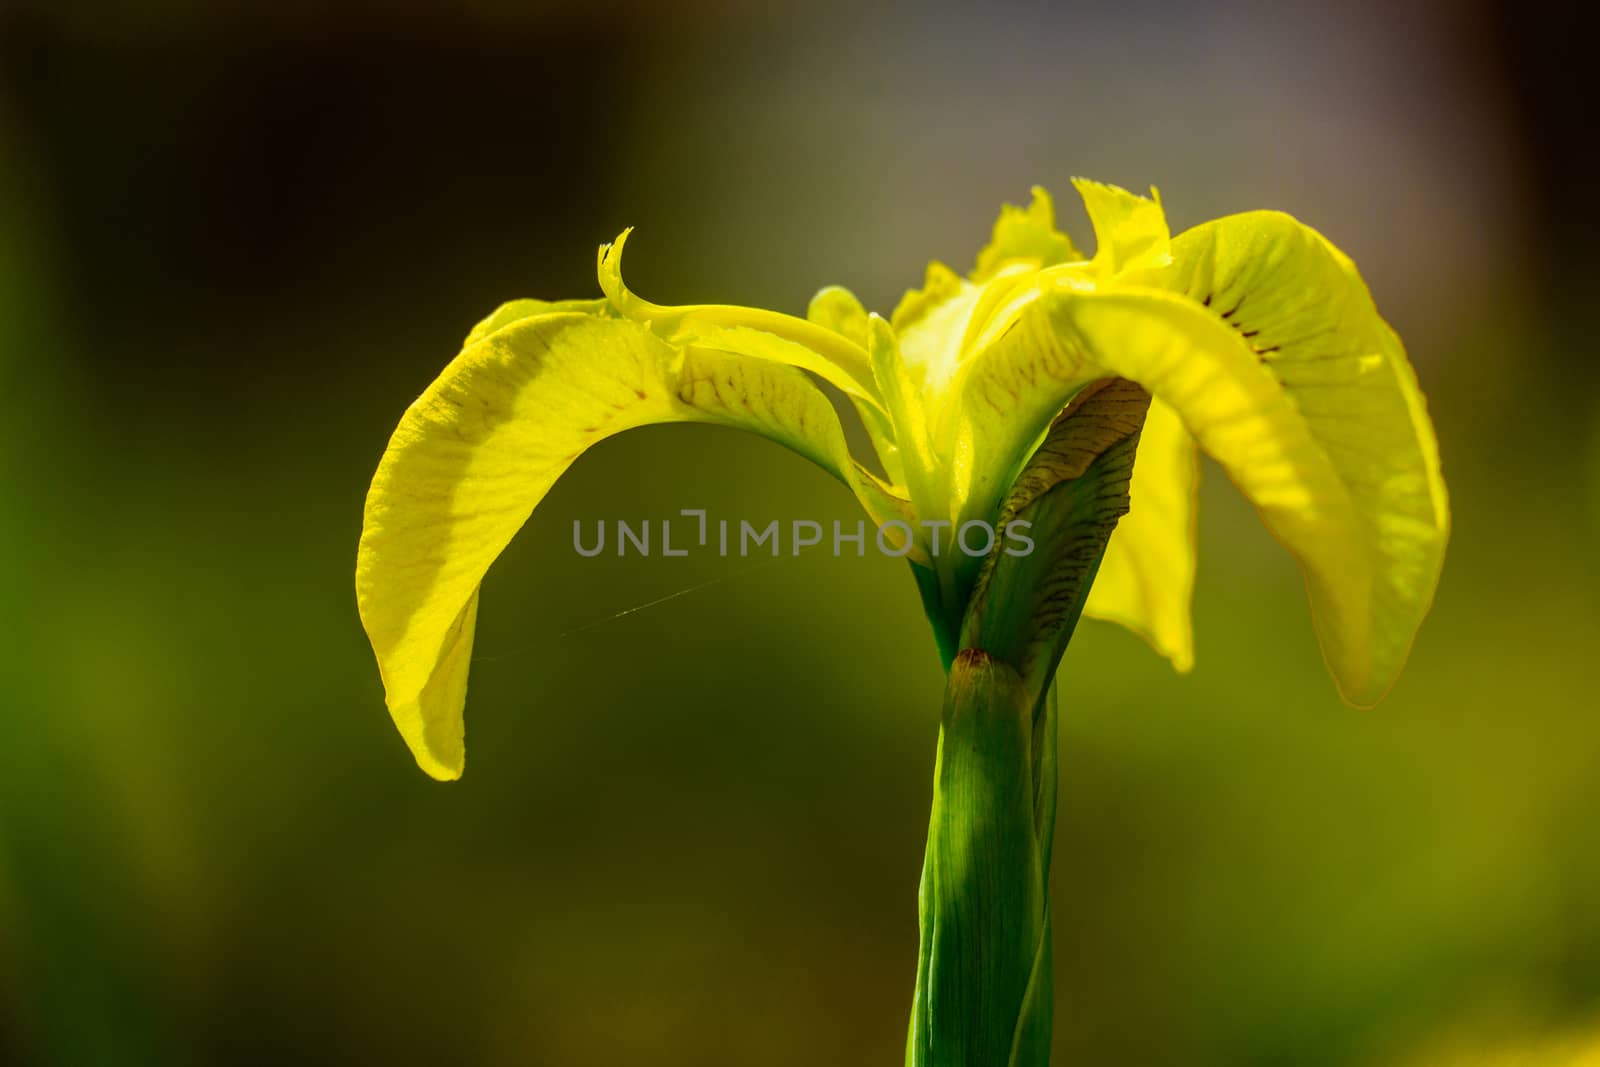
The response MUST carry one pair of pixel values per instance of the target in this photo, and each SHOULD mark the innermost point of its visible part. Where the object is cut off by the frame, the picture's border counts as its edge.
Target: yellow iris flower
(1254, 337)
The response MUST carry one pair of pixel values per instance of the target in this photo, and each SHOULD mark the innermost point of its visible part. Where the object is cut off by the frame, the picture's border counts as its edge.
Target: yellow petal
(479, 449)
(980, 416)
(516, 310)
(939, 284)
(1301, 306)
(1146, 579)
(754, 332)
(935, 324)
(1339, 466)
(1027, 234)
(839, 310)
(1130, 231)
(930, 322)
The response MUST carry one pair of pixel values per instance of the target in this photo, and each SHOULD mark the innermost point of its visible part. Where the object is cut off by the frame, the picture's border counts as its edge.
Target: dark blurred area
(235, 243)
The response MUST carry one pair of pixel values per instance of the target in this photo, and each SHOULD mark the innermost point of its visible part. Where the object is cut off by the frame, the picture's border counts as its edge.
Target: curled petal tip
(614, 247)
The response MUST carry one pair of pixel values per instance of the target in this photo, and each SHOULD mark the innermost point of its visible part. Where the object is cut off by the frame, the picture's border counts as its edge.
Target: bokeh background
(235, 243)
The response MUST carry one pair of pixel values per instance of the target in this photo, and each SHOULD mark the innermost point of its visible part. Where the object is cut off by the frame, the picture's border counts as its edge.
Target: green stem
(983, 994)
(984, 984)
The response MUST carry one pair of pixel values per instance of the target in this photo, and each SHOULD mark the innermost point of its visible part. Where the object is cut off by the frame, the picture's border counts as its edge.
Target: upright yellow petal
(1130, 231)
(935, 324)
(479, 449)
(1028, 234)
(988, 414)
(837, 308)
(930, 323)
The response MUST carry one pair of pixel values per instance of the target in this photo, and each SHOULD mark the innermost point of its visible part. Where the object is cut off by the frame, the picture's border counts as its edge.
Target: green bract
(1253, 337)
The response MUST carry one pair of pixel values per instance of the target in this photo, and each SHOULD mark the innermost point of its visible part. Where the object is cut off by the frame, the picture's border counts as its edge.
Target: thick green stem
(983, 992)
(983, 996)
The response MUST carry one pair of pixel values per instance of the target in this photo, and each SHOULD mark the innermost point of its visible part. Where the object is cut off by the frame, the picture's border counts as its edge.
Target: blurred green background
(234, 246)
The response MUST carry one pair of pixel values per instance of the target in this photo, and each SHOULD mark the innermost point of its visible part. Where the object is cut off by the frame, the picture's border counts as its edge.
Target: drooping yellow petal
(1301, 306)
(479, 449)
(515, 310)
(1146, 579)
(1362, 522)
